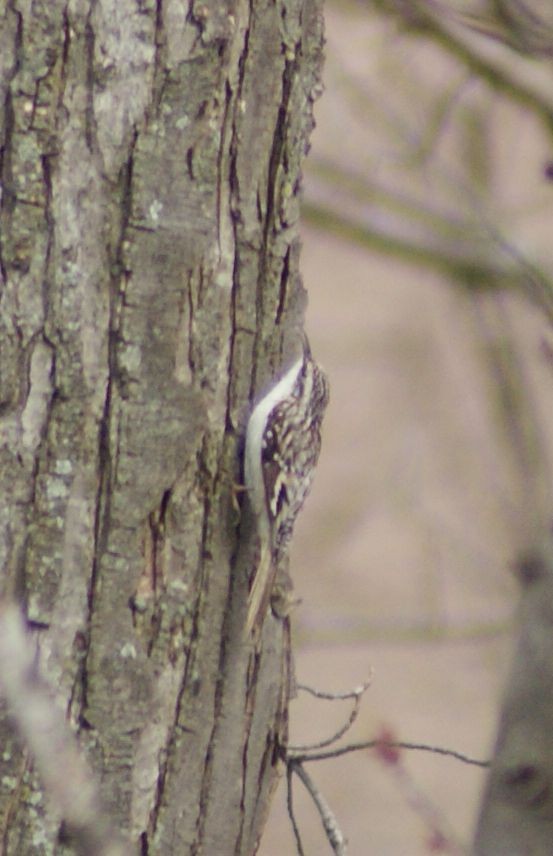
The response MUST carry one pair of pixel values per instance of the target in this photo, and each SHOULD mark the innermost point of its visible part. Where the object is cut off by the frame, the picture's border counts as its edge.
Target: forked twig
(356, 694)
(296, 756)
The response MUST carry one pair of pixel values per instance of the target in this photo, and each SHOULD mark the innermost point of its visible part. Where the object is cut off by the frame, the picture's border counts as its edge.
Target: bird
(283, 442)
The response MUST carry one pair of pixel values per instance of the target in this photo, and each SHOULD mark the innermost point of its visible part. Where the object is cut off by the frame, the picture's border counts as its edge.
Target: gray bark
(150, 158)
(517, 807)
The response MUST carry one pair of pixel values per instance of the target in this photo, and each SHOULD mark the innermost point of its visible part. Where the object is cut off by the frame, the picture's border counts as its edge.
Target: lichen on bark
(150, 169)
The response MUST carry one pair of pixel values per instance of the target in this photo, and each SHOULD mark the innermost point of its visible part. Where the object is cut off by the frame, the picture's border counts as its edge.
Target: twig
(296, 756)
(333, 832)
(397, 744)
(356, 694)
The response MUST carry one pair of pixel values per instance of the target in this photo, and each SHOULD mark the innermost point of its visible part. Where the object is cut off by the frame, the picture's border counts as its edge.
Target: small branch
(356, 694)
(484, 49)
(67, 779)
(401, 236)
(397, 744)
(296, 756)
(333, 832)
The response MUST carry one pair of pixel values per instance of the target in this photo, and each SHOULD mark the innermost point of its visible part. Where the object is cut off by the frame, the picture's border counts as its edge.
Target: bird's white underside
(253, 473)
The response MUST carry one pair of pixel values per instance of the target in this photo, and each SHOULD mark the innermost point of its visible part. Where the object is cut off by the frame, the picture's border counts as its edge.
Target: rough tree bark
(150, 157)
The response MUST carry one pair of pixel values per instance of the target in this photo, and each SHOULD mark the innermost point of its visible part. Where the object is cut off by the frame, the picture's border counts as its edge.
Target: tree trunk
(516, 811)
(150, 157)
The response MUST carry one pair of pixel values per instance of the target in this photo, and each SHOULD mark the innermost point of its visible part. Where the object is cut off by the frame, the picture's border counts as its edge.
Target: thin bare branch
(333, 832)
(476, 252)
(355, 694)
(482, 47)
(400, 233)
(399, 744)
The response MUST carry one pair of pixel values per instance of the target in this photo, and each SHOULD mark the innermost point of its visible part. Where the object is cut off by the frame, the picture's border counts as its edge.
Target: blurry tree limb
(347, 204)
(445, 215)
(529, 24)
(67, 778)
(512, 396)
(483, 45)
(473, 252)
(516, 812)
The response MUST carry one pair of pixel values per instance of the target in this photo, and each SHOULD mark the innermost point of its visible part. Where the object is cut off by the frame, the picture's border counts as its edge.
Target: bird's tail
(260, 593)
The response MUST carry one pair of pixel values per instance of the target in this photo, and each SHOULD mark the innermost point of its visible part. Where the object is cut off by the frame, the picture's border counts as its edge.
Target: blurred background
(427, 252)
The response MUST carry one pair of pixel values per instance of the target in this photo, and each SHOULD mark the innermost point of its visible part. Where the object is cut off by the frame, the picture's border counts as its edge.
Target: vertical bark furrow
(149, 166)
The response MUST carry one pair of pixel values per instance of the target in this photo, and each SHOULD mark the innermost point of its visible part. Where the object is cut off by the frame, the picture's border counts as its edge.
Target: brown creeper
(283, 441)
